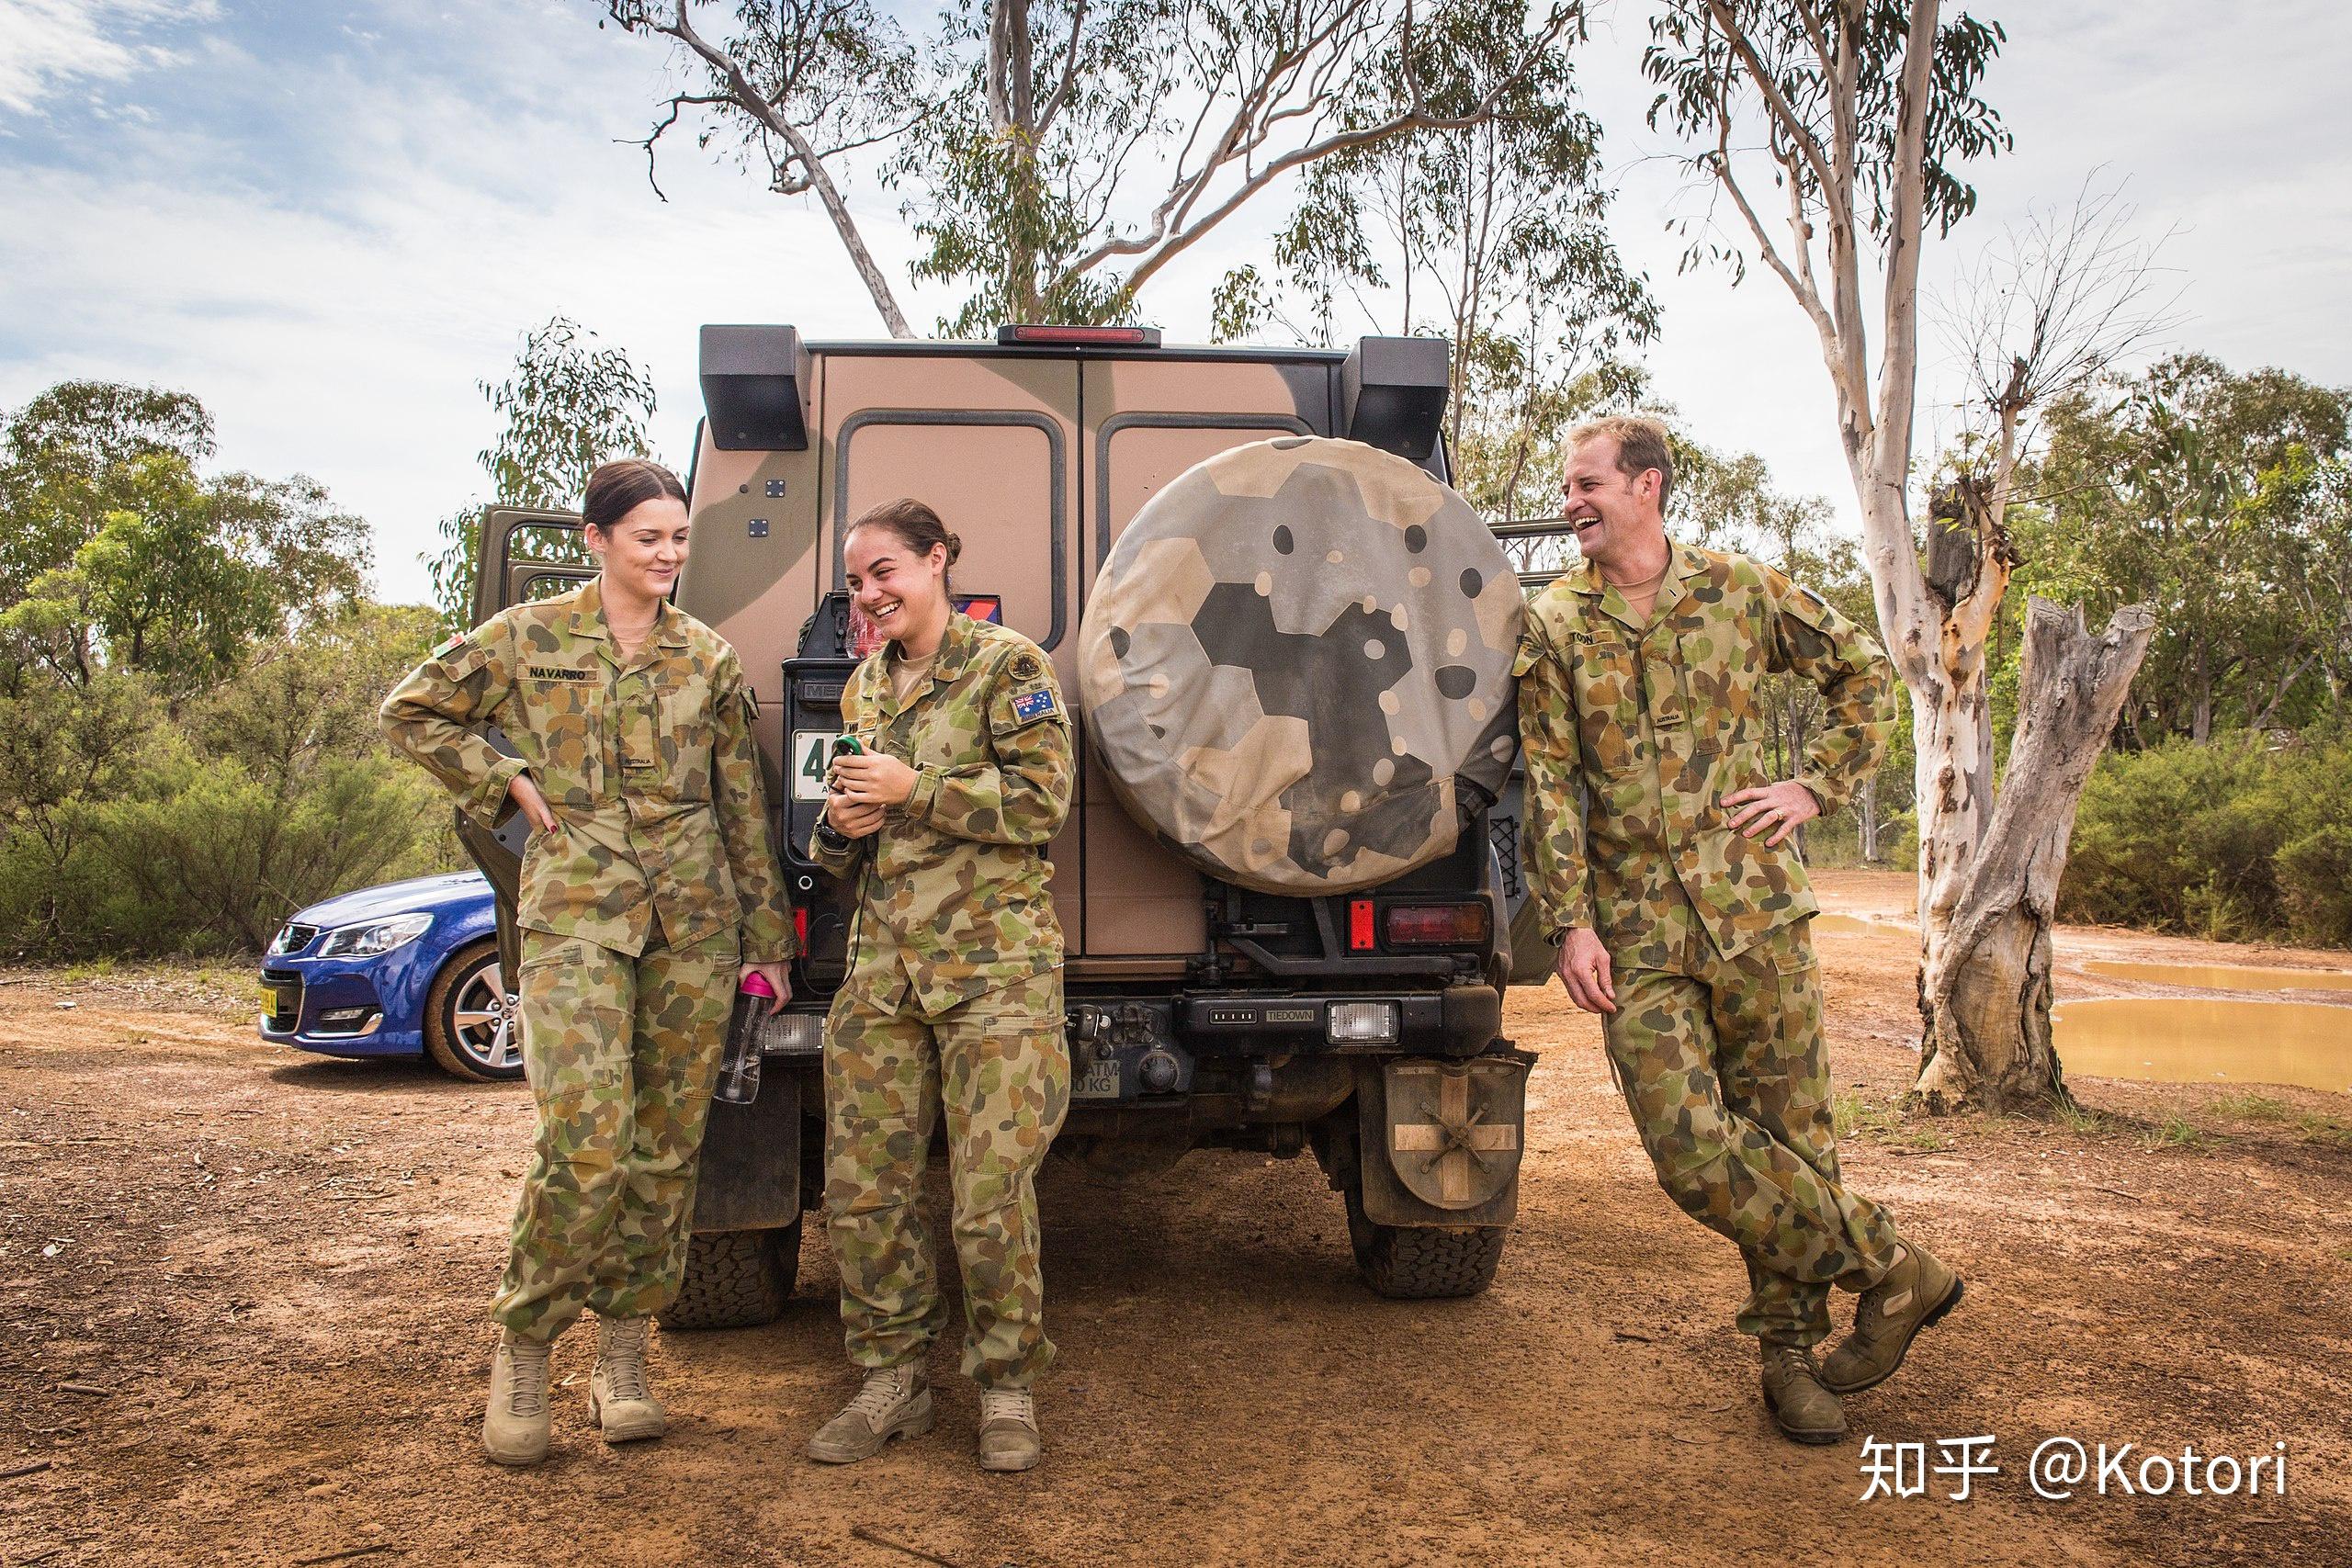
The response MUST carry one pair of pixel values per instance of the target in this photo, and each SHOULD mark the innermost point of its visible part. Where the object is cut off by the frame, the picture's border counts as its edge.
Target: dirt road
(241, 1299)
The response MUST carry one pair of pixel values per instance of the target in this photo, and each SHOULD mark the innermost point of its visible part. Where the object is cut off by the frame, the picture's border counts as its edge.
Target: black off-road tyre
(471, 1029)
(736, 1279)
(1420, 1262)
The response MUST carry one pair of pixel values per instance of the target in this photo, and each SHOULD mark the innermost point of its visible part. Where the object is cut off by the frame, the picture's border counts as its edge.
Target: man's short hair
(1641, 444)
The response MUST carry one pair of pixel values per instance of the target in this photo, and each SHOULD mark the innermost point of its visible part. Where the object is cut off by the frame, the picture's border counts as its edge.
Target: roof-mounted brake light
(1081, 337)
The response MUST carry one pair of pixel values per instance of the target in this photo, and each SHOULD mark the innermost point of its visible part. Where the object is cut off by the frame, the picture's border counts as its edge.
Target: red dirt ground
(241, 1298)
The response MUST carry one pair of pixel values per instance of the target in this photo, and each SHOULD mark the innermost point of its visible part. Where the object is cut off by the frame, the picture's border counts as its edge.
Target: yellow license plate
(268, 1000)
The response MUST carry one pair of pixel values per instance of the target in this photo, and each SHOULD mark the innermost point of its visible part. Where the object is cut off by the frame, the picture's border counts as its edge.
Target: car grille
(290, 1000)
(294, 939)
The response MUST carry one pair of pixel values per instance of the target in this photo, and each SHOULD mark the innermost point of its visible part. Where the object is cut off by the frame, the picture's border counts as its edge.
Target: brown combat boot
(514, 1428)
(619, 1399)
(1008, 1438)
(1804, 1410)
(895, 1403)
(1916, 1292)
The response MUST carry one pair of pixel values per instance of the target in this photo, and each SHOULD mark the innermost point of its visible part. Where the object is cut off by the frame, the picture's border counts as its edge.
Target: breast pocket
(565, 726)
(688, 726)
(951, 736)
(1606, 677)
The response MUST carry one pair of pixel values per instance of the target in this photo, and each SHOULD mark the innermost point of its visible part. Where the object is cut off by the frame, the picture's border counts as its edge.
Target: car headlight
(372, 937)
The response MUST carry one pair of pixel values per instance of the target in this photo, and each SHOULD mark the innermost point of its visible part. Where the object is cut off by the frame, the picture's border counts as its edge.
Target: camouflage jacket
(1656, 724)
(951, 891)
(650, 767)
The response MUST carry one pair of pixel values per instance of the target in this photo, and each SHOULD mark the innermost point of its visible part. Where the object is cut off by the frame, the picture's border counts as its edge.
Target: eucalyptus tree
(1857, 119)
(571, 402)
(1053, 156)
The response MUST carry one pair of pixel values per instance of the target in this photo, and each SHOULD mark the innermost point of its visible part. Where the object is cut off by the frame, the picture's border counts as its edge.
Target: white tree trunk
(1984, 990)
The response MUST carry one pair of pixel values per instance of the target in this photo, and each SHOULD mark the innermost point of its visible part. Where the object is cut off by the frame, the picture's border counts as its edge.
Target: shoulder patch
(1024, 667)
(1035, 704)
(450, 647)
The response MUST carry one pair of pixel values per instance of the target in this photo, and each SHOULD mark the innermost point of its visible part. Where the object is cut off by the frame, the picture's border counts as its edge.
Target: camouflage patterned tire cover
(1296, 665)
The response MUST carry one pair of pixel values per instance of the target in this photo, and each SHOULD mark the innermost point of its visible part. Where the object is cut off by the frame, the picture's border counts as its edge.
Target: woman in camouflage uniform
(649, 888)
(953, 998)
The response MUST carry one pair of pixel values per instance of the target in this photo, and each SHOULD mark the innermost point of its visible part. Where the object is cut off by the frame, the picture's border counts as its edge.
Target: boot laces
(527, 1391)
(1793, 1360)
(883, 1391)
(1008, 1405)
(624, 1358)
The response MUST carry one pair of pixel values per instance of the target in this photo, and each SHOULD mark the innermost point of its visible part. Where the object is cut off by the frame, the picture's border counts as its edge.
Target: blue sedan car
(406, 970)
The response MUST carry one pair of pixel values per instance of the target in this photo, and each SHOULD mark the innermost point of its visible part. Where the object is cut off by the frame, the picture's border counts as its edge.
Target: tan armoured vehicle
(1265, 953)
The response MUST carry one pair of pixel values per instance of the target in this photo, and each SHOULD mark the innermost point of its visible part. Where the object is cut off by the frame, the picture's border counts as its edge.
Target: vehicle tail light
(1439, 925)
(800, 927)
(1359, 937)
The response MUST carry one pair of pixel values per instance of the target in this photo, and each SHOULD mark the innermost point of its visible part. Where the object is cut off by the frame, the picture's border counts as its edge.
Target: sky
(331, 219)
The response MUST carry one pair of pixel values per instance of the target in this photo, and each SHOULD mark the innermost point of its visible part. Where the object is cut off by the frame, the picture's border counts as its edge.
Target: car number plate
(1100, 1081)
(268, 1001)
(811, 756)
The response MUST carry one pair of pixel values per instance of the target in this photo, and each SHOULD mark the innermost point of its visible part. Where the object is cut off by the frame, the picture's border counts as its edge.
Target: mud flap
(1441, 1140)
(750, 1158)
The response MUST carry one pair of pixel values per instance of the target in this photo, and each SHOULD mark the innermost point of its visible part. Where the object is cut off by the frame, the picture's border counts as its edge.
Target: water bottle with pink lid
(738, 1069)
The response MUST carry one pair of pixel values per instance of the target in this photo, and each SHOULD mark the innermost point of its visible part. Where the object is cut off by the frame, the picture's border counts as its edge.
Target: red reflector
(800, 929)
(1438, 925)
(1082, 337)
(1359, 937)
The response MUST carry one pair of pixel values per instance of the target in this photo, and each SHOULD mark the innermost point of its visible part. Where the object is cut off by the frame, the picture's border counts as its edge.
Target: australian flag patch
(1035, 704)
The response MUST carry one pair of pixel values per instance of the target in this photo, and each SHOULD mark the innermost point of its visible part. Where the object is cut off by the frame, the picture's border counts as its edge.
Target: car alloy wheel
(487, 1018)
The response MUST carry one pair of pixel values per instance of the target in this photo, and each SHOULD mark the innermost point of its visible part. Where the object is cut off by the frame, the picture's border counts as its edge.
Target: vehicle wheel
(472, 1026)
(736, 1279)
(1423, 1262)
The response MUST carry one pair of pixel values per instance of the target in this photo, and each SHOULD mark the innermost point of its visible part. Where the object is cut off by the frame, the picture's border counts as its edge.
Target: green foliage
(1706, 84)
(569, 405)
(2222, 501)
(2233, 840)
(187, 689)
(126, 831)
(1487, 231)
(118, 552)
(1056, 154)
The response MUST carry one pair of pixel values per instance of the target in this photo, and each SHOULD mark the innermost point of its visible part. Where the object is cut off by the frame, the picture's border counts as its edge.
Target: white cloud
(48, 45)
(336, 320)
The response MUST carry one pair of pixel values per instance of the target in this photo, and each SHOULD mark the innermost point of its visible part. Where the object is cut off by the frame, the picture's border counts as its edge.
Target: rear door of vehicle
(990, 441)
(525, 555)
(1147, 421)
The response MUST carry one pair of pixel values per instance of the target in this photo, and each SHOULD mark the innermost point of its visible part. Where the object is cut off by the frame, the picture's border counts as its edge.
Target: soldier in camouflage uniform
(649, 886)
(953, 998)
(1685, 927)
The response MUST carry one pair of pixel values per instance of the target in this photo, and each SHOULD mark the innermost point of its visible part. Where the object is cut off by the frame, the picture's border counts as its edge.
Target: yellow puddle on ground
(2222, 976)
(1856, 925)
(2207, 1040)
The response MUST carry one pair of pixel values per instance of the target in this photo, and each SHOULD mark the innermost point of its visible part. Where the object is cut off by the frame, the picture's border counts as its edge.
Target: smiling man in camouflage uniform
(1683, 914)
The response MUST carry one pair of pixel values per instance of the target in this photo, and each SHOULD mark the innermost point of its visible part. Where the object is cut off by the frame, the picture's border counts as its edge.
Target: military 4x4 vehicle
(1363, 1023)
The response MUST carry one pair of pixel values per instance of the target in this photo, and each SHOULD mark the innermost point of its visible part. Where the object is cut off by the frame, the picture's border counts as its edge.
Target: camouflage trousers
(622, 1054)
(999, 1066)
(1724, 1069)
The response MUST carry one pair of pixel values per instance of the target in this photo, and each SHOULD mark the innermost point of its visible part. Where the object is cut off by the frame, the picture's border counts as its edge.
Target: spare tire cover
(1296, 665)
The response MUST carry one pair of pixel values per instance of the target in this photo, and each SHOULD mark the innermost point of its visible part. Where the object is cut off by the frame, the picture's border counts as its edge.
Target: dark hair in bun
(621, 487)
(914, 525)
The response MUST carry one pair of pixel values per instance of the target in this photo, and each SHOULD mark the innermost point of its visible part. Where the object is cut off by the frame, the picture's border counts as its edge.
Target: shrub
(2234, 839)
(129, 829)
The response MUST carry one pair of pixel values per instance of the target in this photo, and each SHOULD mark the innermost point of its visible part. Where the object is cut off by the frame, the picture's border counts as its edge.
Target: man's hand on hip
(1584, 970)
(1783, 807)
